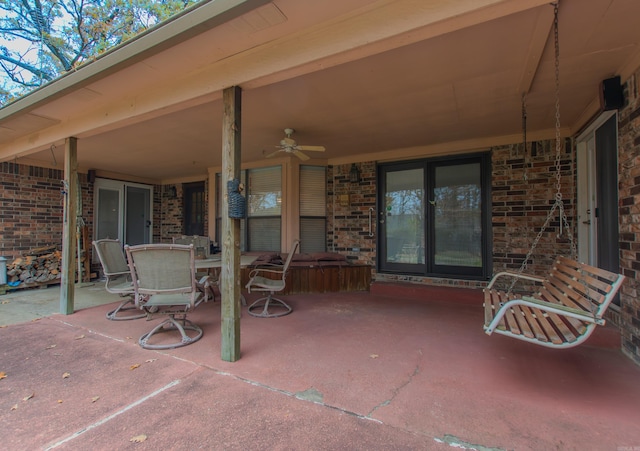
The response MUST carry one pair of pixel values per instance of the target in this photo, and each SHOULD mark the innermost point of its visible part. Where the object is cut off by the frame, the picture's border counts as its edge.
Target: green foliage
(42, 39)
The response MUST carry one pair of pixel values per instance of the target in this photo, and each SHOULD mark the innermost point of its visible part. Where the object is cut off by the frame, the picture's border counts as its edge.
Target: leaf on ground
(95, 398)
(129, 338)
(5, 302)
(50, 347)
(27, 398)
(3, 374)
(59, 401)
(134, 366)
(14, 407)
(3, 326)
(374, 356)
(35, 319)
(150, 360)
(79, 337)
(138, 438)
(66, 375)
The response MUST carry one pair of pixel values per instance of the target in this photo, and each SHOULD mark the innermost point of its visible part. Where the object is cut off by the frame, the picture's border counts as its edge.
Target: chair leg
(168, 325)
(260, 308)
(206, 288)
(125, 307)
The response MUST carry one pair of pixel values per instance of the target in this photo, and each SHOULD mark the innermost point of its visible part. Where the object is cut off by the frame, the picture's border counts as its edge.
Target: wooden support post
(230, 233)
(70, 188)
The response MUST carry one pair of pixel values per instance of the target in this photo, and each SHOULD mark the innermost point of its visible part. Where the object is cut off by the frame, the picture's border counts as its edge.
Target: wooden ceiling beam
(539, 37)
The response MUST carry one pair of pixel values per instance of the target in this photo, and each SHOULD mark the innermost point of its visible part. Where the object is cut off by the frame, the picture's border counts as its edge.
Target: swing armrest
(513, 275)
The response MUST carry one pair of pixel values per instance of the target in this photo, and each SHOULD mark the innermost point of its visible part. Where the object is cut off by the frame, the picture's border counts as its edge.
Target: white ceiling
(366, 79)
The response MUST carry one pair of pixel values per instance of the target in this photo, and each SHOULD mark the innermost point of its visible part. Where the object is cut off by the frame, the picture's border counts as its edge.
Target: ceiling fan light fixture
(290, 146)
(354, 174)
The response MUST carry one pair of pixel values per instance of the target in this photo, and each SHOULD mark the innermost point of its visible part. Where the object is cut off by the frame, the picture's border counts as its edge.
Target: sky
(28, 50)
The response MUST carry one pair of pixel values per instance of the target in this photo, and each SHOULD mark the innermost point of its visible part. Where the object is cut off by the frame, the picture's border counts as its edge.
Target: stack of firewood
(38, 266)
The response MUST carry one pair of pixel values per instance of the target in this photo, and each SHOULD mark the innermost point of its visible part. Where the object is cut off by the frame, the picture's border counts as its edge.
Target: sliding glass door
(123, 211)
(401, 218)
(432, 217)
(457, 217)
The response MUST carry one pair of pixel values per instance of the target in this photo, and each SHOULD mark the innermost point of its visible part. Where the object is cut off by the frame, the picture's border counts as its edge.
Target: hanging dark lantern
(354, 174)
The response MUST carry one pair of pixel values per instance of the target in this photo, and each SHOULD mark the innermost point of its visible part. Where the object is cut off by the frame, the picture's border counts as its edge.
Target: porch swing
(573, 297)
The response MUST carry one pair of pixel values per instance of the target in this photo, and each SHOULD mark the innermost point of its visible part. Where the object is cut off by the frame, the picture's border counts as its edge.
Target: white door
(597, 218)
(586, 219)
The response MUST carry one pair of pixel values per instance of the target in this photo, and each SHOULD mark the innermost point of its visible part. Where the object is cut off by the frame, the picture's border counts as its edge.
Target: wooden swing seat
(570, 303)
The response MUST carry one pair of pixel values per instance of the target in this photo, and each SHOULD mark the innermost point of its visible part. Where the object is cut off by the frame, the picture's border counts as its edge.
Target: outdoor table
(215, 263)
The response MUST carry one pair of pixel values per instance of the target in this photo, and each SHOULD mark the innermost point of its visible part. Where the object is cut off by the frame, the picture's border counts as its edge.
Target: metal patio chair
(118, 279)
(202, 248)
(164, 281)
(201, 244)
(271, 280)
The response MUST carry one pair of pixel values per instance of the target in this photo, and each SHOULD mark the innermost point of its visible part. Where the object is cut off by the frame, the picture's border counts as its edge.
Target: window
(261, 230)
(313, 209)
(264, 202)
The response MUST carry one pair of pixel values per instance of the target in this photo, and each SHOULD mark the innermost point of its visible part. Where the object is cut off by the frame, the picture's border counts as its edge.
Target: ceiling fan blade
(311, 148)
(273, 154)
(300, 155)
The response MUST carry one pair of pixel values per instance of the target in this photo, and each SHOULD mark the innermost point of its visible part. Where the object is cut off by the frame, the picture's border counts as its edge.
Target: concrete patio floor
(402, 367)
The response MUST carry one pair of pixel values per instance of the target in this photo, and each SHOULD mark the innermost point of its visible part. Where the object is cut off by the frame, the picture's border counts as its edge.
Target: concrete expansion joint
(119, 412)
(74, 326)
(456, 442)
(309, 395)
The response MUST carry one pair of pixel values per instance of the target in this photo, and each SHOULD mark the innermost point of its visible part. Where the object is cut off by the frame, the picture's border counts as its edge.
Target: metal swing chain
(524, 136)
(558, 204)
(564, 221)
(558, 201)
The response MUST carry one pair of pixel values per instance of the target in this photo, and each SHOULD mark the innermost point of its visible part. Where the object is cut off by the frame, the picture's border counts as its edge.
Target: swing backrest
(581, 286)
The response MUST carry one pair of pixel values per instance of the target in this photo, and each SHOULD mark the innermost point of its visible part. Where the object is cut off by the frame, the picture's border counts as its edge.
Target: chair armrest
(268, 265)
(258, 271)
(513, 275)
(121, 273)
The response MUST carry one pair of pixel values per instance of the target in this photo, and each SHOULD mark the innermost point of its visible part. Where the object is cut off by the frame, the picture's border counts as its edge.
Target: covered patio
(380, 84)
(396, 368)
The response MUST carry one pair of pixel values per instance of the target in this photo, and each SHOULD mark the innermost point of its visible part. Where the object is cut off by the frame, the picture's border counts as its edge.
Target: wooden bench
(570, 303)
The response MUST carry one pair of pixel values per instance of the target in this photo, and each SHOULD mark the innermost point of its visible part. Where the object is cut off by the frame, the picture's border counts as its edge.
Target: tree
(42, 39)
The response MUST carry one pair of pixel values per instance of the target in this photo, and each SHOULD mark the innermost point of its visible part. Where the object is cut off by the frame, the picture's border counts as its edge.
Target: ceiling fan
(289, 145)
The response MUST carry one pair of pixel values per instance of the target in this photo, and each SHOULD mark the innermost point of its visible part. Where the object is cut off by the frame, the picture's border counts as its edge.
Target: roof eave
(203, 16)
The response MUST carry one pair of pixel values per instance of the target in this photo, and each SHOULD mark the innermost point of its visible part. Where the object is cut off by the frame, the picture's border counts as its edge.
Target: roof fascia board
(183, 26)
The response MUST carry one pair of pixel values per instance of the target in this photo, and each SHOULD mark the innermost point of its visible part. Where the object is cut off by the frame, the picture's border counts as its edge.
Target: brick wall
(32, 207)
(520, 208)
(348, 217)
(167, 211)
(629, 211)
(522, 194)
(348, 223)
(31, 203)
